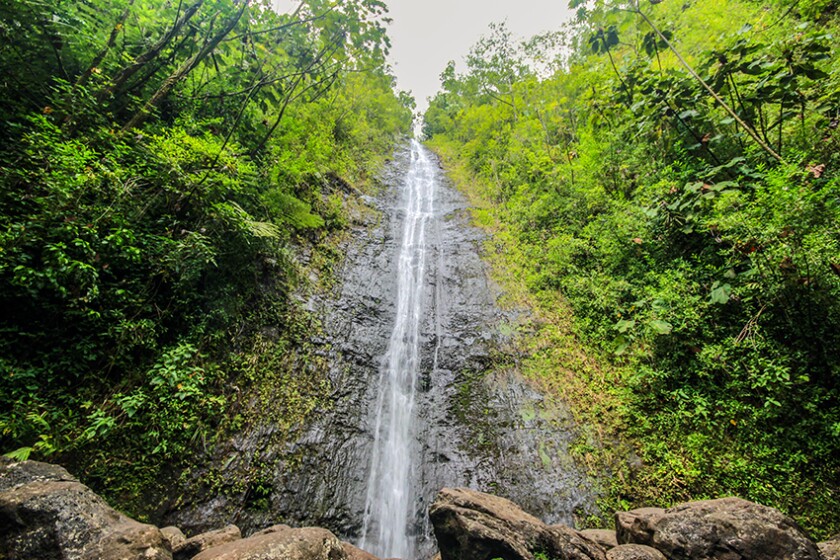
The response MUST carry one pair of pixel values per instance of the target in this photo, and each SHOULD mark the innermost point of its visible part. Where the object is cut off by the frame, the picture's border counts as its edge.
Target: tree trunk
(97, 60)
(152, 53)
(172, 80)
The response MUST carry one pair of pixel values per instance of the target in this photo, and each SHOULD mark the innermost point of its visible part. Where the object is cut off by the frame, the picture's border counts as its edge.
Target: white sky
(426, 34)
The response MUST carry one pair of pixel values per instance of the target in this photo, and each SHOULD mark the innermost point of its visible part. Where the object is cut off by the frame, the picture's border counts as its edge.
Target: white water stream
(389, 507)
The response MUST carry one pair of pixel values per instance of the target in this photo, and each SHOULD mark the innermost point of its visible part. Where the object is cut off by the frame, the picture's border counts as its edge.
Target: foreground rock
(199, 543)
(174, 536)
(604, 537)
(47, 514)
(471, 525)
(280, 543)
(830, 549)
(724, 529)
(356, 553)
(634, 552)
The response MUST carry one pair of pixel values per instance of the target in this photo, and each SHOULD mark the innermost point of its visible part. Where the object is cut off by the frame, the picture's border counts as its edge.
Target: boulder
(471, 525)
(14, 474)
(635, 526)
(272, 529)
(129, 541)
(192, 546)
(604, 537)
(356, 553)
(280, 543)
(174, 536)
(724, 529)
(47, 514)
(634, 552)
(830, 549)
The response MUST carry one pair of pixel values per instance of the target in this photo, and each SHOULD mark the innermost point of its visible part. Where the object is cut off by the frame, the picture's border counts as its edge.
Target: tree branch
(97, 60)
(184, 70)
(708, 88)
(153, 51)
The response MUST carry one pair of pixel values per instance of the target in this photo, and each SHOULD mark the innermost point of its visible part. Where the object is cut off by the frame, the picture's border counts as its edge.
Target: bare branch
(765, 146)
(185, 69)
(153, 51)
(97, 60)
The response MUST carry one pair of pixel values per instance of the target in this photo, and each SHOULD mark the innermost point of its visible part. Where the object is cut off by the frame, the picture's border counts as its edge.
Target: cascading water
(390, 504)
(411, 252)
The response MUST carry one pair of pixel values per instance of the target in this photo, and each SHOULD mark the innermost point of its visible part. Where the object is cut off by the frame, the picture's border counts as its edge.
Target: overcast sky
(426, 34)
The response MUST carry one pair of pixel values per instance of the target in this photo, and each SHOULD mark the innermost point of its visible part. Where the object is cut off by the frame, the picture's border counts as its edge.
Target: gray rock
(830, 549)
(724, 529)
(318, 473)
(310, 543)
(174, 536)
(604, 537)
(634, 552)
(129, 540)
(199, 543)
(15, 474)
(46, 514)
(471, 525)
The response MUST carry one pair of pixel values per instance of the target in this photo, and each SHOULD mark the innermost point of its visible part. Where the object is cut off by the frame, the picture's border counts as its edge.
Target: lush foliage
(162, 164)
(678, 185)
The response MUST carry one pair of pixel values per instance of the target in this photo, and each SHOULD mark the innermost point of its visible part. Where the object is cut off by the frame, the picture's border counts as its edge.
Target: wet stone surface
(490, 432)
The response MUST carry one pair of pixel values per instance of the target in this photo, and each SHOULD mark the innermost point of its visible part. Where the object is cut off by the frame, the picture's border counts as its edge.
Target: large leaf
(661, 327)
(720, 293)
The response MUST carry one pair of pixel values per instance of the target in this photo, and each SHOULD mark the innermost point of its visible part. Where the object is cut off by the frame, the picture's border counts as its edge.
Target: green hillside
(663, 178)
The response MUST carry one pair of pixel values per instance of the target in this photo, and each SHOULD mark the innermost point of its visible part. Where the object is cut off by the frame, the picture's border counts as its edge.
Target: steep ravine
(488, 431)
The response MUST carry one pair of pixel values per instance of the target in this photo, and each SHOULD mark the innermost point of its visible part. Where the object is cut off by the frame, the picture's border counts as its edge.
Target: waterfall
(390, 501)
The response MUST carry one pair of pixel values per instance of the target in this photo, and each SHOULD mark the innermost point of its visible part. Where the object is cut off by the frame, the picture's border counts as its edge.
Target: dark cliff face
(472, 428)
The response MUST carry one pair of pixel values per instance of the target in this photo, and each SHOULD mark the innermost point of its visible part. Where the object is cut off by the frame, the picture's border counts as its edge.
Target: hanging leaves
(652, 42)
(603, 39)
(720, 293)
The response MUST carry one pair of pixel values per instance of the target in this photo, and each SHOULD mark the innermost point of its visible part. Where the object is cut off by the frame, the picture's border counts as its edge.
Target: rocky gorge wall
(474, 427)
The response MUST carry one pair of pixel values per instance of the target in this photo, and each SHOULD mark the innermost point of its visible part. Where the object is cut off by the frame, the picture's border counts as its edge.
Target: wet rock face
(47, 514)
(470, 525)
(724, 529)
(490, 432)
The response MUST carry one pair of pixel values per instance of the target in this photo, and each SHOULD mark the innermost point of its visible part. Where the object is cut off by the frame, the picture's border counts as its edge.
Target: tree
(495, 64)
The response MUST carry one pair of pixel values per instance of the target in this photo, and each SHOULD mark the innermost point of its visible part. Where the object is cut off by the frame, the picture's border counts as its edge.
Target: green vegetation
(668, 199)
(664, 195)
(164, 164)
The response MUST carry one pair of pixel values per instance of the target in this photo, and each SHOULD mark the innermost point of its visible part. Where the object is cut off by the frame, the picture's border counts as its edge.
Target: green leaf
(624, 326)
(621, 344)
(720, 293)
(21, 454)
(661, 327)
